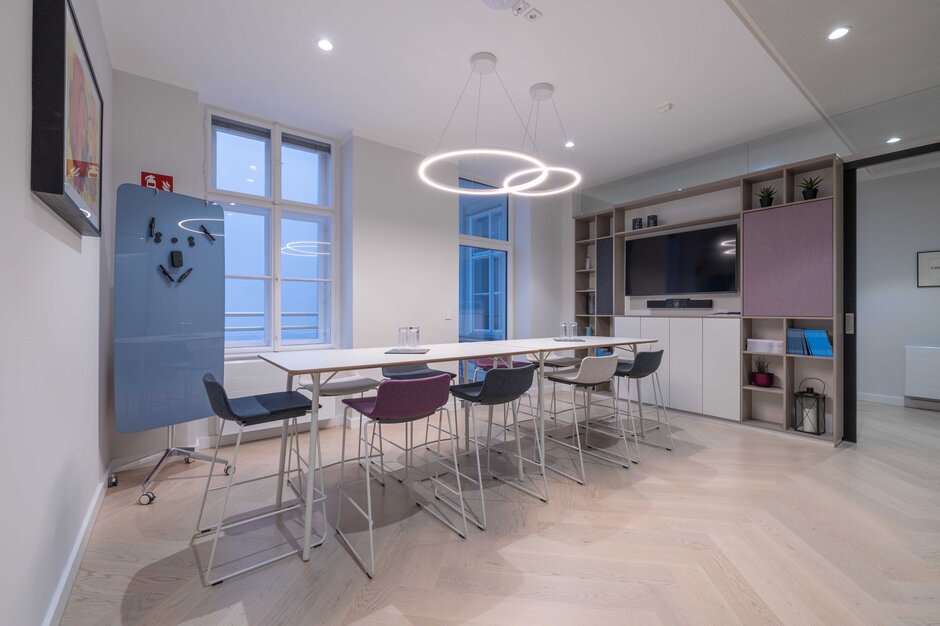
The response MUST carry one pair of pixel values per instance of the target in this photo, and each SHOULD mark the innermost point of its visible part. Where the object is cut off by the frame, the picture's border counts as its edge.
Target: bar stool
(593, 371)
(403, 402)
(502, 386)
(646, 364)
(556, 364)
(345, 386)
(283, 406)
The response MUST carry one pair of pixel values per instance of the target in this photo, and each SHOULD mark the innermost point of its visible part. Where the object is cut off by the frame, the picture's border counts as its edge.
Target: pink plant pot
(762, 380)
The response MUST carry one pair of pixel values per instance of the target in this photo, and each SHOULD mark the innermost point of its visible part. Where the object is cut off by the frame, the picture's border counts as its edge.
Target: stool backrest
(411, 399)
(218, 399)
(596, 369)
(506, 384)
(645, 364)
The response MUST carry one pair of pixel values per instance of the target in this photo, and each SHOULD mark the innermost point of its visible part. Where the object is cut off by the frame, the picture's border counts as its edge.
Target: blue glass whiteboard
(167, 333)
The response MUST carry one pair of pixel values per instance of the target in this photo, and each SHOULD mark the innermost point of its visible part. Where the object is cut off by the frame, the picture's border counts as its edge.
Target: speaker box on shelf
(678, 303)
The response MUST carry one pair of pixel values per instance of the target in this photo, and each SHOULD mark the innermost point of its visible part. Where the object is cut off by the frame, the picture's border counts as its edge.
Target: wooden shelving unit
(768, 408)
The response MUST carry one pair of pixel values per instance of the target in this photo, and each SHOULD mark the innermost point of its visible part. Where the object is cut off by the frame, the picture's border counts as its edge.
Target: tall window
(276, 189)
(484, 265)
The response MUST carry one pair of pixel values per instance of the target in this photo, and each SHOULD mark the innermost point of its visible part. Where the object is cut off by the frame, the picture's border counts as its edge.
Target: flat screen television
(690, 262)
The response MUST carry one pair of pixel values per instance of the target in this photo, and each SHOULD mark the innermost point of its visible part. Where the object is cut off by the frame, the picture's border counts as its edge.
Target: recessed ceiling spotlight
(253, 168)
(249, 180)
(893, 140)
(325, 44)
(569, 144)
(839, 33)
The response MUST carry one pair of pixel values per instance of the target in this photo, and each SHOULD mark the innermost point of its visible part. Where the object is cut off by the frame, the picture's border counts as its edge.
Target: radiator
(922, 372)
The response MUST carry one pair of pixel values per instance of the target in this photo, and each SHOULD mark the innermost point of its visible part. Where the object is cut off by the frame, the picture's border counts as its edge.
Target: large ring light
(539, 167)
(575, 180)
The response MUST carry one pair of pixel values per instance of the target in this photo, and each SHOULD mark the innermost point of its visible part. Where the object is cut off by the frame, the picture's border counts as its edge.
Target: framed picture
(68, 117)
(928, 269)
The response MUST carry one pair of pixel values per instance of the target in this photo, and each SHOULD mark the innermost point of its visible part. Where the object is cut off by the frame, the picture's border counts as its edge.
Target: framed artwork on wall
(68, 119)
(928, 269)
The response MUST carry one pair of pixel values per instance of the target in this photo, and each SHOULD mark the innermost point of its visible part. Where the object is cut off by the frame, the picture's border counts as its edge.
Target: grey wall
(53, 451)
(897, 217)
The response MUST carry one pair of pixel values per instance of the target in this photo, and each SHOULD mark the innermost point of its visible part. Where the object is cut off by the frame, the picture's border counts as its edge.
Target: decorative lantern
(810, 409)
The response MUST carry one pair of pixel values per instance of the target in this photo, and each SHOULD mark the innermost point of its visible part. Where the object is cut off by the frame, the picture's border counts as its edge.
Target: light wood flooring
(736, 526)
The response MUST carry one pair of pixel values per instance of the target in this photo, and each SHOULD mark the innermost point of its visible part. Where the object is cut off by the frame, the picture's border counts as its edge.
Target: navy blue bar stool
(250, 411)
(502, 386)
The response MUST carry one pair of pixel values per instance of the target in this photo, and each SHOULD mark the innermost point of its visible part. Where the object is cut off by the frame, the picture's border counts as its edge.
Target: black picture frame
(921, 279)
(67, 119)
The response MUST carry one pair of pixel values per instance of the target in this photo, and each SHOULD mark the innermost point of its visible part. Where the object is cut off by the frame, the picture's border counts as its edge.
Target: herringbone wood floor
(735, 526)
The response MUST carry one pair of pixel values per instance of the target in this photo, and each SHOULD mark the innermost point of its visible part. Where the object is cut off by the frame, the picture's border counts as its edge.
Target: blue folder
(796, 343)
(818, 342)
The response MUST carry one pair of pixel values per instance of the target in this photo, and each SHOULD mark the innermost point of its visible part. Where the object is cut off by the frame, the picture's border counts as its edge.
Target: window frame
(276, 205)
(494, 244)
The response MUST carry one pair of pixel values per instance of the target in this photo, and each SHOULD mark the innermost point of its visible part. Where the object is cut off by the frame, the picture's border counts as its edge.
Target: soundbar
(678, 303)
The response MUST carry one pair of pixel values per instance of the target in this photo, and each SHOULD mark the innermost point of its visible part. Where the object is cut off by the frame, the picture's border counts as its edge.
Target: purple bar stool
(403, 402)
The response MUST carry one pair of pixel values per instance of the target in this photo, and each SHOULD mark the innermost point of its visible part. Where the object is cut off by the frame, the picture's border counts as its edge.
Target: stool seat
(269, 407)
(347, 386)
(412, 372)
(468, 391)
(568, 377)
(560, 361)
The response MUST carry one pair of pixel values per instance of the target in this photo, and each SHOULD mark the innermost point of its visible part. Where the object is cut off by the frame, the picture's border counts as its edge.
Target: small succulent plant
(766, 192)
(811, 182)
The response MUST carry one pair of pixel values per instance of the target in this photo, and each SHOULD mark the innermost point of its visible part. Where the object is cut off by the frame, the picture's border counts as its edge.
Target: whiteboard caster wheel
(146, 497)
(188, 459)
(112, 480)
(229, 470)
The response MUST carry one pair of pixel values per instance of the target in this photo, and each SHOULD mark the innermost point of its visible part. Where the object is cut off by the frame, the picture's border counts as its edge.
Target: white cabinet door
(656, 328)
(685, 364)
(721, 368)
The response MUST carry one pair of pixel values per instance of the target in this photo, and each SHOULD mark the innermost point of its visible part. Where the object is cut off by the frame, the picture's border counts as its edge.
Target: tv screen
(695, 261)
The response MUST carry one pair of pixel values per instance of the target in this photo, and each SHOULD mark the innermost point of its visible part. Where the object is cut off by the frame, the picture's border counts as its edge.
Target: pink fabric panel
(787, 261)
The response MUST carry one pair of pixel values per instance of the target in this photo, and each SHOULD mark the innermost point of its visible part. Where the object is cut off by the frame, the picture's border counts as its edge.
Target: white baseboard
(61, 595)
(881, 399)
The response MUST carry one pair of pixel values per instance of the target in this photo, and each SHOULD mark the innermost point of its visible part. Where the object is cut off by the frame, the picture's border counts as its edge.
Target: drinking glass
(564, 330)
(402, 336)
(414, 336)
(573, 329)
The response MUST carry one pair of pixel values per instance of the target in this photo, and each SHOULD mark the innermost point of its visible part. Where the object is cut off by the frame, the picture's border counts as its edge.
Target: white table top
(338, 360)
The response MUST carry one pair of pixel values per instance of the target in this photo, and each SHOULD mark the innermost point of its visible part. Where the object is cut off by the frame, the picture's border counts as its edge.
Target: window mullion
(276, 270)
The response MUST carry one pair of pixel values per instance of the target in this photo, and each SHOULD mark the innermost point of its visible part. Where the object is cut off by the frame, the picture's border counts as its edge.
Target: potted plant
(763, 377)
(766, 195)
(810, 186)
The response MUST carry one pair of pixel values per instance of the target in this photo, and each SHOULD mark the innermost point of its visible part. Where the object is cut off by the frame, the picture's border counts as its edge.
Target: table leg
(280, 465)
(311, 464)
(541, 417)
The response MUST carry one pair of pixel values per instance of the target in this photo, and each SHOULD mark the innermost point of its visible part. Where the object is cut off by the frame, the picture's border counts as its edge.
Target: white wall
(400, 240)
(543, 251)
(53, 451)
(897, 217)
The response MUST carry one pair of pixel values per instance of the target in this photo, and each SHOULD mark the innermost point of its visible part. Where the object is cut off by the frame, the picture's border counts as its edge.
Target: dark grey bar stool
(645, 364)
(503, 386)
(249, 411)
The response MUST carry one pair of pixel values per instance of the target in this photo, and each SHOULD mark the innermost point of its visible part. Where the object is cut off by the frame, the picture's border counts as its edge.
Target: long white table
(315, 363)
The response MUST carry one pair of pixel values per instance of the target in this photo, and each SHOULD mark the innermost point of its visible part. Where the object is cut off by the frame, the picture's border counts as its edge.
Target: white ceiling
(398, 68)
(892, 50)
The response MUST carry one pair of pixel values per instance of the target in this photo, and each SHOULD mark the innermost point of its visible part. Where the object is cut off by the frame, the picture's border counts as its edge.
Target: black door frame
(849, 276)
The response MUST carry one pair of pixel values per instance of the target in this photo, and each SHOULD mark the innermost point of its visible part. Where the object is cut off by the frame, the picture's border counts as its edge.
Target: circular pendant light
(534, 170)
(575, 181)
(540, 167)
